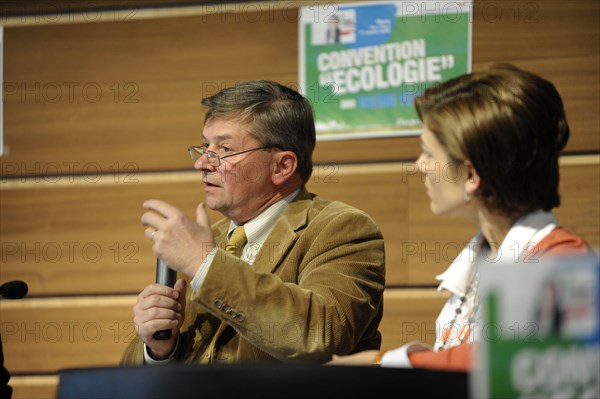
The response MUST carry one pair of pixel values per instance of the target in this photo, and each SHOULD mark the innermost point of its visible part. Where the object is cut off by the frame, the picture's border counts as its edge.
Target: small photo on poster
(339, 27)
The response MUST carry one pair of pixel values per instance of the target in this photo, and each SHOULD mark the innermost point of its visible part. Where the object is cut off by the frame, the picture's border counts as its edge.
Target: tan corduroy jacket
(315, 289)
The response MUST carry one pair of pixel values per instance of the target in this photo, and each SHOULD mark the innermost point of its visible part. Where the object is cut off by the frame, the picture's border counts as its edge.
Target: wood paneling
(44, 335)
(49, 7)
(34, 386)
(85, 236)
(409, 315)
(123, 93)
(81, 236)
(110, 102)
(515, 29)
(580, 197)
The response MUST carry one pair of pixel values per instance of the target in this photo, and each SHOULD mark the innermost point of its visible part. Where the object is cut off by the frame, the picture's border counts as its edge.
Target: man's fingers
(158, 302)
(150, 232)
(153, 220)
(158, 325)
(180, 287)
(201, 216)
(157, 314)
(158, 289)
(161, 207)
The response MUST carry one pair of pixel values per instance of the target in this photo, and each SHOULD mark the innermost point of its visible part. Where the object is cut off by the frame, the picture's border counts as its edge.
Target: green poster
(362, 64)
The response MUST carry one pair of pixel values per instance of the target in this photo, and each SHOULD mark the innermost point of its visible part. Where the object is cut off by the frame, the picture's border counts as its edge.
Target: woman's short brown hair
(511, 125)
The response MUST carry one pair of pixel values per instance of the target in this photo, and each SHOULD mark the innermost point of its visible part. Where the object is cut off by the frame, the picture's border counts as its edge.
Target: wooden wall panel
(409, 315)
(124, 92)
(127, 94)
(34, 7)
(84, 97)
(34, 386)
(580, 197)
(86, 236)
(45, 335)
(515, 29)
(80, 237)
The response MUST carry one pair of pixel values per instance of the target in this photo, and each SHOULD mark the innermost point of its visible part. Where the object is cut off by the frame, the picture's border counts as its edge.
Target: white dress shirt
(527, 232)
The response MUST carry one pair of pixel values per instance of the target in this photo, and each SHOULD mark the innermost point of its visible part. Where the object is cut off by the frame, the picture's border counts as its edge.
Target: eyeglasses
(214, 159)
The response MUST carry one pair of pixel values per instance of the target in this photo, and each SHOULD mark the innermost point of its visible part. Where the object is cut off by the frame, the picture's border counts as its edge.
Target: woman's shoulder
(562, 241)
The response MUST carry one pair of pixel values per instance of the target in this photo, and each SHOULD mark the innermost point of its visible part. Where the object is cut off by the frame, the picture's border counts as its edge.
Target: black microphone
(165, 276)
(16, 289)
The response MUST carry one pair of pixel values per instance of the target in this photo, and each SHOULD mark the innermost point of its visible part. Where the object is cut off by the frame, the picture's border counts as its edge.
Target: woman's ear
(285, 165)
(472, 180)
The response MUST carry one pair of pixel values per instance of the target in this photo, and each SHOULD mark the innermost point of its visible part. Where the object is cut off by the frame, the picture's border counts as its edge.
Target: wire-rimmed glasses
(214, 159)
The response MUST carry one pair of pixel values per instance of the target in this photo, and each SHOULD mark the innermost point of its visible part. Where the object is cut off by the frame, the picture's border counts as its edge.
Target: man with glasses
(304, 281)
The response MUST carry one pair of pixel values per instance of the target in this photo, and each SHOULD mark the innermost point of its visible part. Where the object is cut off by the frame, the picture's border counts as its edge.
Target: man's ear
(285, 164)
(472, 180)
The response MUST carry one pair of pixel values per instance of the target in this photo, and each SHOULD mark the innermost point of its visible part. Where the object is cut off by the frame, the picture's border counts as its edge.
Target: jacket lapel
(284, 233)
(220, 232)
(271, 254)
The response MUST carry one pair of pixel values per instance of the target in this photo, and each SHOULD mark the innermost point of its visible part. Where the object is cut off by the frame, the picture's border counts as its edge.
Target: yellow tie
(236, 241)
(234, 246)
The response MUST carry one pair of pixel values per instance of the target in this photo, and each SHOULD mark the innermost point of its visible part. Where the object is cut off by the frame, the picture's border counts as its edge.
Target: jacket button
(240, 317)
(218, 303)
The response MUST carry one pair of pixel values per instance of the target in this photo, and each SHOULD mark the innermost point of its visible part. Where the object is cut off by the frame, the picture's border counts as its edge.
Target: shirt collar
(527, 231)
(258, 228)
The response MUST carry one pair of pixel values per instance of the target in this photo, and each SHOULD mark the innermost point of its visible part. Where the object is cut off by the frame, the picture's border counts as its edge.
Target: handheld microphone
(16, 289)
(165, 276)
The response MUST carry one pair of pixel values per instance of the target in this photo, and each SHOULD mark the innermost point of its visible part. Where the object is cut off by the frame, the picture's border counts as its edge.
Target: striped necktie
(236, 241)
